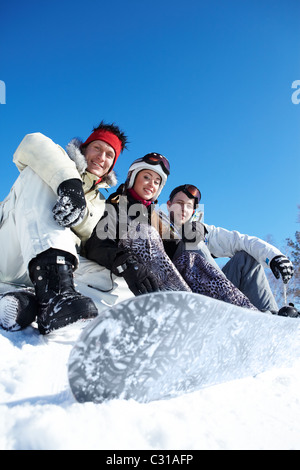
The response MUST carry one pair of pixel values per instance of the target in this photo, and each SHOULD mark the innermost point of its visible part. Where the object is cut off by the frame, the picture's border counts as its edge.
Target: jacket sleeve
(103, 252)
(47, 159)
(225, 243)
(102, 246)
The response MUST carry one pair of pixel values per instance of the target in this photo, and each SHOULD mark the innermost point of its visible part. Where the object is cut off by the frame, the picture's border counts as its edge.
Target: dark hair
(114, 129)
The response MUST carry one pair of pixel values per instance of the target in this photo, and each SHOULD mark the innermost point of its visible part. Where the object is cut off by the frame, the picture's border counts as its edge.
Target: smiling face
(147, 184)
(100, 157)
(181, 208)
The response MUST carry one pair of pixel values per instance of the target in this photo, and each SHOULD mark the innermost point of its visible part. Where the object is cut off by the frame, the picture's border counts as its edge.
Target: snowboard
(161, 345)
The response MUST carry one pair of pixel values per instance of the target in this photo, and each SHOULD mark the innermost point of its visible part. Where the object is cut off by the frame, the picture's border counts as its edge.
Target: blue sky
(206, 83)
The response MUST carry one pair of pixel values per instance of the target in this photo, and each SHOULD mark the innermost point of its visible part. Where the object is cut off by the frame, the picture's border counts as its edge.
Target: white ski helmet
(151, 161)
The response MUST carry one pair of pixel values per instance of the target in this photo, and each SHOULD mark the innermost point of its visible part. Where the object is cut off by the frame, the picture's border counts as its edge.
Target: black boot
(18, 309)
(59, 303)
(289, 311)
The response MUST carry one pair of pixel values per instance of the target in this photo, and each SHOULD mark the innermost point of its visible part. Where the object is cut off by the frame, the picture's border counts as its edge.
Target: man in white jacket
(248, 255)
(53, 206)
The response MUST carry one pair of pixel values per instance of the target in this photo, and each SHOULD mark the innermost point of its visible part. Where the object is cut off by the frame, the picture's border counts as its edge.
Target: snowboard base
(161, 345)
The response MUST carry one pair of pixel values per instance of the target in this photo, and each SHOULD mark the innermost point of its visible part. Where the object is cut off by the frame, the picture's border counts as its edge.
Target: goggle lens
(193, 191)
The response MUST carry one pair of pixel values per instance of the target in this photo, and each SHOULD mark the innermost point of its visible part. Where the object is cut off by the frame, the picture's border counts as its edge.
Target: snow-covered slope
(37, 410)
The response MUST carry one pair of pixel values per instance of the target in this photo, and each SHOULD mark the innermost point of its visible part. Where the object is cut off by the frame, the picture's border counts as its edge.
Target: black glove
(70, 206)
(282, 265)
(139, 278)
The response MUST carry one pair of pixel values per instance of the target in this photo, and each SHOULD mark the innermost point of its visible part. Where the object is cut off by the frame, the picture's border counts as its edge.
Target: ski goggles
(190, 190)
(156, 159)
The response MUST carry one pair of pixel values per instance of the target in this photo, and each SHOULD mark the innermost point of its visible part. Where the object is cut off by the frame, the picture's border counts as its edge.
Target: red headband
(109, 138)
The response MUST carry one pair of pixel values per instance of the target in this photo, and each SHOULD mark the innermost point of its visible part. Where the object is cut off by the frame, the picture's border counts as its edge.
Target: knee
(142, 231)
(241, 255)
(244, 257)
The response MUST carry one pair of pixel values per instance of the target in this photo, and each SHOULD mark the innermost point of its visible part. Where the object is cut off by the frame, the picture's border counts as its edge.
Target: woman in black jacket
(131, 207)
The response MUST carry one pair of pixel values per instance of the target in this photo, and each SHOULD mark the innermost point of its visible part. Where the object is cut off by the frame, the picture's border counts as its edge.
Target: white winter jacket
(27, 226)
(54, 165)
(225, 243)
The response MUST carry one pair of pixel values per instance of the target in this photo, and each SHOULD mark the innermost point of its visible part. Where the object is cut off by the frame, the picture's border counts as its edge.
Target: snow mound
(38, 411)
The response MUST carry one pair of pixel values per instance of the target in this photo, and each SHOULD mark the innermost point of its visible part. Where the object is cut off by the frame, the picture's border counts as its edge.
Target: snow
(38, 411)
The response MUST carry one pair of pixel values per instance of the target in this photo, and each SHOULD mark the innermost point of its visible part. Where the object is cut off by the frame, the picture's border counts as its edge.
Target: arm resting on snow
(47, 159)
(225, 243)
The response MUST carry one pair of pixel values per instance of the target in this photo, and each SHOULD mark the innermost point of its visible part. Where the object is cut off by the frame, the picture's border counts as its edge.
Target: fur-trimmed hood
(75, 154)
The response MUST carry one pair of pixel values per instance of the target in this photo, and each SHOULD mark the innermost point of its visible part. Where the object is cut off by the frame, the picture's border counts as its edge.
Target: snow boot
(289, 311)
(18, 309)
(59, 303)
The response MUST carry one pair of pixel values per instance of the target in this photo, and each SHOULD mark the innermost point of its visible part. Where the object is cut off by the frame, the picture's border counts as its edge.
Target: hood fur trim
(74, 152)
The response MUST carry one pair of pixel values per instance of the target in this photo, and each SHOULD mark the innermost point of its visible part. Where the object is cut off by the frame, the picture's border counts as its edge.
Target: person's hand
(70, 207)
(139, 278)
(281, 265)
